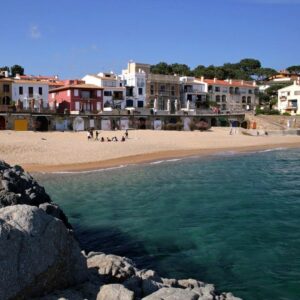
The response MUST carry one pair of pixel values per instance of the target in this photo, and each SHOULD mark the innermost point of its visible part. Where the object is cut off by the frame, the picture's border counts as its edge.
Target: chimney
(17, 76)
(6, 74)
(242, 82)
(215, 79)
(230, 81)
(202, 78)
(254, 83)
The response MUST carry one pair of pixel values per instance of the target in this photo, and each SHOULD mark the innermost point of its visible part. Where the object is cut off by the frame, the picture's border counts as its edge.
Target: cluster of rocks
(41, 259)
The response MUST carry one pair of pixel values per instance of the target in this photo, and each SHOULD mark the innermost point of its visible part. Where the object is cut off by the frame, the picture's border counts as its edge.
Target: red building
(77, 96)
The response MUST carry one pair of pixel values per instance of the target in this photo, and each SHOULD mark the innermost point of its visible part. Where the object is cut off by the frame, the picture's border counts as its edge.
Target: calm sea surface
(231, 220)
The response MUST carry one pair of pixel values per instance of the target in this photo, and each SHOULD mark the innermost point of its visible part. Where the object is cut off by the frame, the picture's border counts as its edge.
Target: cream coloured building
(289, 99)
(113, 86)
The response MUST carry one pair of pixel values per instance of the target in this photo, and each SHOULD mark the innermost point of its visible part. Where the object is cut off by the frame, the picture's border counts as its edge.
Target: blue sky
(72, 38)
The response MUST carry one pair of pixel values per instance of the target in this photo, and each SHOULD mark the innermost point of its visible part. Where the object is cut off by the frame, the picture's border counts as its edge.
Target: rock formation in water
(40, 258)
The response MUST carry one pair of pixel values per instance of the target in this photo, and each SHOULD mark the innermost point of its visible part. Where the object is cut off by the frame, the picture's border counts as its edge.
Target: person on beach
(123, 139)
(126, 133)
(97, 134)
(88, 134)
(92, 133)
(108, 139)
(102, 139)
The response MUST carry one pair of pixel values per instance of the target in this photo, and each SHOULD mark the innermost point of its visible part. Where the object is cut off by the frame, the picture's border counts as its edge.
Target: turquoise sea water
(231, 220)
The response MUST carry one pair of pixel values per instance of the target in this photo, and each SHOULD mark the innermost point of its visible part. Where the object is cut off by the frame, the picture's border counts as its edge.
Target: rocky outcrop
(19, 187)
(37, 253)
(115, 292)
(147, 284)
(39, 256)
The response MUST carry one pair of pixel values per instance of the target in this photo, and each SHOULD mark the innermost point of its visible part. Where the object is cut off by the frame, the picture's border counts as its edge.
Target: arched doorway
(41, 123)
(2, 123)
(214, 122)
(142, 123)
(78, 124)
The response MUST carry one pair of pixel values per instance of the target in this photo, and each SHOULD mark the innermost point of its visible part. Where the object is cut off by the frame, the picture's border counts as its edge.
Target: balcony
(283, 98)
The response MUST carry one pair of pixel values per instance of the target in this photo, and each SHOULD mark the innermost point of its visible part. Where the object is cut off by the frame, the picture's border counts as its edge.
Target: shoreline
(150, 157)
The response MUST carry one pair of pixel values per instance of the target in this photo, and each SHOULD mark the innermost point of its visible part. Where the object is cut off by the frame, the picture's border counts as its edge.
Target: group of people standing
(91, 137)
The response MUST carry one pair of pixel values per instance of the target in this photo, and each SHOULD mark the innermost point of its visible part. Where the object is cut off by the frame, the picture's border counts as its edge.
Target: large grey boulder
(19, 187)
(172, 294)
(115, 292)
(38, 254)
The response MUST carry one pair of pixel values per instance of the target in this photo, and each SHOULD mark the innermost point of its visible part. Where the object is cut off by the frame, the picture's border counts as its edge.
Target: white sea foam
(90, 171)
(163, 161)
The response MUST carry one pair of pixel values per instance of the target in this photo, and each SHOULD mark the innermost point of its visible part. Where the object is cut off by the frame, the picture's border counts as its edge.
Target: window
(218, 98)
(20, 90)
(86, 94)
(76, 93)
(30, 91)
(129, 103)
(152, 89)
(217, 89)
(250, 92)
(297, 93)
(223, 98)
(248, 100)
(140, 104)
(77, 105)
(288, 93)
(140, 91)
(5, 88)
(244, 99)
(173, 90)
(68, 93)
(162, 88)
(107, 93)
(40, 91)
(98, 95)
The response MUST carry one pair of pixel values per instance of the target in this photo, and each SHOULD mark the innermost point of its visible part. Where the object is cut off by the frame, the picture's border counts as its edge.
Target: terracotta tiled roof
(234, 83)
(76, 86)
(20, 81)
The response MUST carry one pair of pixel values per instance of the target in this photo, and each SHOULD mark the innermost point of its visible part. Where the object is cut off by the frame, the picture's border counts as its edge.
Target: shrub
(286, 114)
(179, 126)
(192, 126)
(274, 112)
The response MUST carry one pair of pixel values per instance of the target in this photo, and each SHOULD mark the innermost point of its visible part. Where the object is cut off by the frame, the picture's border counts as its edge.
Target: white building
(194, 91)
(31, 93)
(289, 99)
(114, 90)
(134, 78)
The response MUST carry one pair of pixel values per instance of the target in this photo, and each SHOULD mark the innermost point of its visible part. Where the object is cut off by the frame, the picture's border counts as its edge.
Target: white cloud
(35, 32)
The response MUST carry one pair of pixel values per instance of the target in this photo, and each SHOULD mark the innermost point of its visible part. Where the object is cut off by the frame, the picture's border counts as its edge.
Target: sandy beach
(70, 151)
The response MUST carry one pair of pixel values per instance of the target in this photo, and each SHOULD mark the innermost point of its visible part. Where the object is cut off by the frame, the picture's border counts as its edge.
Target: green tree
(16, 69)
(199, 71)
(264, 73)
(248, 65)
(181, 69)
(294, 69)
(5, 68)
(161, 68)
